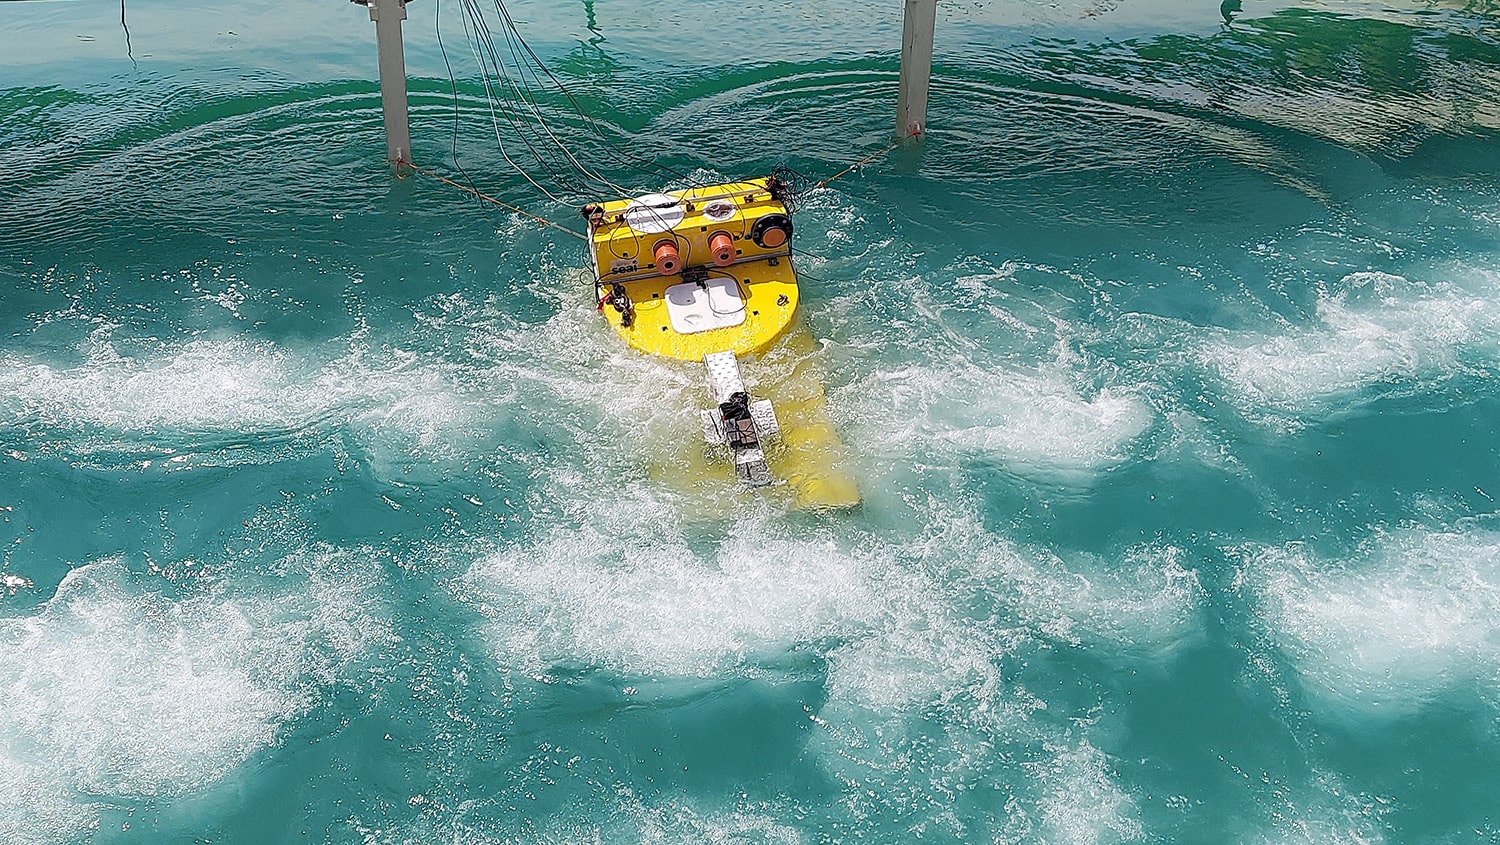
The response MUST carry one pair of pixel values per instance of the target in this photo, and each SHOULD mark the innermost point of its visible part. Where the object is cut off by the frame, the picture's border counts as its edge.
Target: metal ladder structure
(743, 425)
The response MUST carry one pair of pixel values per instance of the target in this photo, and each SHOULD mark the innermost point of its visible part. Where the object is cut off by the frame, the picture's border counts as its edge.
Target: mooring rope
(486, 197)
(861, 163)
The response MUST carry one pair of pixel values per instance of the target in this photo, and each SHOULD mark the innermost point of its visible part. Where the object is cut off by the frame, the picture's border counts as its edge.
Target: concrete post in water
(388, 15)
(916, 67)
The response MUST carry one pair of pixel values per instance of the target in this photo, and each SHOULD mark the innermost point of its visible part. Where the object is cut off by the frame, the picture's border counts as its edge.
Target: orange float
(721, 247)
(668, 263)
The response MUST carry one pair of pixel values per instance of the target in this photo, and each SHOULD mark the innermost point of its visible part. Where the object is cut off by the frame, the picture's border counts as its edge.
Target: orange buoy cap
(665, 255)
(772, 231)
(721, 247)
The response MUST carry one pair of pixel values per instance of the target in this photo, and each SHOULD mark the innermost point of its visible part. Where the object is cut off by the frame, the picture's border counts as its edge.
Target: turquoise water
(1169, 366)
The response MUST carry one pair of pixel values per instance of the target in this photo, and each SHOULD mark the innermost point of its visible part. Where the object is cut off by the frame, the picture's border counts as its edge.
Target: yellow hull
(692, 274)
(810, 457)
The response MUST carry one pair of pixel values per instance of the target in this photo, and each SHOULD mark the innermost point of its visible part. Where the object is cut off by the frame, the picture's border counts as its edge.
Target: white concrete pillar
(388, 15)
(916, 68)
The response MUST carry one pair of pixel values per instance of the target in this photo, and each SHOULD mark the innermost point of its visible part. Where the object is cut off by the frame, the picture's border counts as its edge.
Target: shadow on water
(586, 750)
(666, 735)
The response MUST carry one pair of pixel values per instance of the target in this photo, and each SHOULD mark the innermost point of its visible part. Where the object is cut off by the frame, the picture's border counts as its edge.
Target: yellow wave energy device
(705, 275)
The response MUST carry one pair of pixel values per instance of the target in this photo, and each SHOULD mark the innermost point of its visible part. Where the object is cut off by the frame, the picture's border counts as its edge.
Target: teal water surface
(1168, 363)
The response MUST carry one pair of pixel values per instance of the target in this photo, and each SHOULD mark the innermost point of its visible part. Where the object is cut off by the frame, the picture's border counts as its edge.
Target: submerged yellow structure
(705, 275)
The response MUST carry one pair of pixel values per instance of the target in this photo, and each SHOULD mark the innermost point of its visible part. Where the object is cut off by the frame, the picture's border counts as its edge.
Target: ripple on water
(150, 165)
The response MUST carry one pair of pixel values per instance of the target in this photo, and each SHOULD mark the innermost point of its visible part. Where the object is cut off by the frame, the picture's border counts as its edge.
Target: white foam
(572, 377)
(913, 630)
(1410, 615)
(236, 388)
(1323, 811)
(653, 607)
(1145, 602)
(626, 590)
(1033, 422)
(1375, 332)
(671, 822)
(677, 824)
(112, 692)
(204, 384)
(563, 378)
(1080, 803)
(1325, 828)
(922, 649)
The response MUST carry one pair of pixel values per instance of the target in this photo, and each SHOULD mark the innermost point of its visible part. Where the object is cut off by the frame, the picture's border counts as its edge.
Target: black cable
(514, 87)
(128, 51)
(482, 45)
(738, 289)
(517, 86)
(521, 81)
(524, 70)
(453, 86)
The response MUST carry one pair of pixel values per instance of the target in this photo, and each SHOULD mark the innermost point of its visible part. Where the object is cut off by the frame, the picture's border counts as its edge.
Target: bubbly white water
(1374, 335)
(232, 386)
(1412, 614)
(114, 693)
(1031, 422)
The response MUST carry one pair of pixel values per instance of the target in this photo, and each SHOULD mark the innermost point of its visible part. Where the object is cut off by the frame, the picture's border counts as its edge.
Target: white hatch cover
(653, 214)
(715, 305)
(719, 210)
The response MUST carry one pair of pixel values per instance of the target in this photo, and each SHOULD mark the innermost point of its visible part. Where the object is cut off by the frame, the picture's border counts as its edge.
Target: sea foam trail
(1323, 810)
(1410, 615)
(605, 595)
(113, 693)
(1023, 419)
(232, 389)
(628, 589)
(1078, 802)
(916, 634)
(1032, 422)
(628, 821)
(1081, 802)
(1375, 334)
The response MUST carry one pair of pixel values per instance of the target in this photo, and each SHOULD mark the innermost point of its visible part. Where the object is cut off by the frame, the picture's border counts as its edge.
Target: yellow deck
(770, 297)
